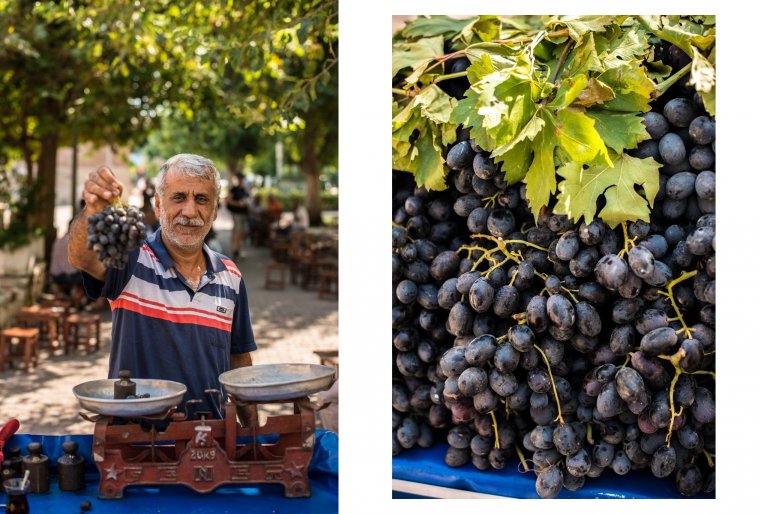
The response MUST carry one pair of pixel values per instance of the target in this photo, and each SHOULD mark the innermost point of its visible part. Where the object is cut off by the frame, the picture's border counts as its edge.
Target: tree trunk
(310, 168)
(44, 216)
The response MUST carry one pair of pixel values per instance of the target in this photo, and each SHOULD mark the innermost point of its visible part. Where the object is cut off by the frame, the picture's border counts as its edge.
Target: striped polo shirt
(163, 329)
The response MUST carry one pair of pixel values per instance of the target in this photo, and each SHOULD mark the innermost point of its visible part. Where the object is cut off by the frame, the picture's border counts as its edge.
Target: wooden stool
(274, 277)
(49, 321)
(11, 339)
(81, 330)
(328, 279)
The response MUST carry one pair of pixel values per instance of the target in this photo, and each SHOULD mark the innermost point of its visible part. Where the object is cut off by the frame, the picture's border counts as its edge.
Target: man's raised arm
(99, 192)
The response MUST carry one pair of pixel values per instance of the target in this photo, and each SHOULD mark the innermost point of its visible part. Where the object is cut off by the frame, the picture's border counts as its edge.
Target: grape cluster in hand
(114, 232)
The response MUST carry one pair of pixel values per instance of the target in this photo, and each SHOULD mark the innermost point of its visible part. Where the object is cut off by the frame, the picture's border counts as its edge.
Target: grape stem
(663, 86)
(628, 242)
(674, 360)
(554, 389)
(670, 294)
(590, 435)
(496, 429)
(491, 201)
(522, 459)
(709, 457)
(543, 276)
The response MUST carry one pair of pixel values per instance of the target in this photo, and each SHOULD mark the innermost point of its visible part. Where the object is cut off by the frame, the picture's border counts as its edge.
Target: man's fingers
(109, 180)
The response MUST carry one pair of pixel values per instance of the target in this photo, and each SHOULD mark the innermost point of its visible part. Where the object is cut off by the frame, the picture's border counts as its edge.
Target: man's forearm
(79, 255)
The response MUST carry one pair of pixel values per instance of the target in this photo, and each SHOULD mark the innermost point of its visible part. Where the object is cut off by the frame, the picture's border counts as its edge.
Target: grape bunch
(578, 347)
(114, 232)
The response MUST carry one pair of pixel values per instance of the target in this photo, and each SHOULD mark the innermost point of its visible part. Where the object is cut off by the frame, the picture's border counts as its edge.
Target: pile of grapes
(558, 346)
(114, 232)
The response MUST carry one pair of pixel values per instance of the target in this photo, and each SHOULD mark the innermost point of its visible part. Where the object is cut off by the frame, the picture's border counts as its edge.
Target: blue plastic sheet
(427, 466)
(323, 479)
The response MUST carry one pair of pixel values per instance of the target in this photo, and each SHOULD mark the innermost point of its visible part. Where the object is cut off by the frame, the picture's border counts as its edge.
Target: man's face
(186, 210)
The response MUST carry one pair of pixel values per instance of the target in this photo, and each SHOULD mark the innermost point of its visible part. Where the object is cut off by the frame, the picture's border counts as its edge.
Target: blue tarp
(427, 466)
(323, 479)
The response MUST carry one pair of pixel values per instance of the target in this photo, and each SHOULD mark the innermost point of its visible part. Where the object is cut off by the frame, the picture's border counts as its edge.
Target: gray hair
(191, 165)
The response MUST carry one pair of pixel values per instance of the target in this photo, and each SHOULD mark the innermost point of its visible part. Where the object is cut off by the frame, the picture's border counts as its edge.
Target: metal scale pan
(98, 396)
(276, 382)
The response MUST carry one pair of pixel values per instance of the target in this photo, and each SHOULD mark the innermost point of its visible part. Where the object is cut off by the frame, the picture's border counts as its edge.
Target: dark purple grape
(611, 271)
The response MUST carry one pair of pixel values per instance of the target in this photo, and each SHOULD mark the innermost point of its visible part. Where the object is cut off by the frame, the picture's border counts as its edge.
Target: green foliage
(328, 202)
(555, 100)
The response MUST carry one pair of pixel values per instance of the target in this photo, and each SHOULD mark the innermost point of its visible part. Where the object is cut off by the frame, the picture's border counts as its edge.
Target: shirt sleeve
(242, 339)
(115, 281)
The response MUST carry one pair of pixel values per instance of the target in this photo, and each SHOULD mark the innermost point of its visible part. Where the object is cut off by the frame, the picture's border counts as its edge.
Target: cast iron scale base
(203, 454)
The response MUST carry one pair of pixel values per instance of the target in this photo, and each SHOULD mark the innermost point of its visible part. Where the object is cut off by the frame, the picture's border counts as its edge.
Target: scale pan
(98, 396)
(274, 382)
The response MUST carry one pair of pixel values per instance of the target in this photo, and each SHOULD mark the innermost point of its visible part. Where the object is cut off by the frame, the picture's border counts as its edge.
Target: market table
(422, 473)
(323, 476)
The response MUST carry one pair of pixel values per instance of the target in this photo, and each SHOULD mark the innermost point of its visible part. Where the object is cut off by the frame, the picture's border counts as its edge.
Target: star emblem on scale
(295, 470)
(112, 473)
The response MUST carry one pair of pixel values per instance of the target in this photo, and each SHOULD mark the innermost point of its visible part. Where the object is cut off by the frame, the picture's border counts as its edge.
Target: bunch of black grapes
(576, 347)
(114, 232)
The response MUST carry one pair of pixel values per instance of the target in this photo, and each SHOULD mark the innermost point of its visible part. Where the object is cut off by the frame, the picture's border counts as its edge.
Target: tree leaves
(582, 187)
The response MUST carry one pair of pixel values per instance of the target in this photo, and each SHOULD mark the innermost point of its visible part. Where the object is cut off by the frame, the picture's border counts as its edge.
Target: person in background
(237, 204)
(274, 211)
(300, 216)
(151, 220)
(67, 280)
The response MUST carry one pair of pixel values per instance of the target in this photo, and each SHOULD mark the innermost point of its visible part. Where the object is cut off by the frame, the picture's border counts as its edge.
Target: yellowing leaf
(568, 91)
(623, 202)
(577, 135)
(428, 163)
(595, 92)
(435, 104)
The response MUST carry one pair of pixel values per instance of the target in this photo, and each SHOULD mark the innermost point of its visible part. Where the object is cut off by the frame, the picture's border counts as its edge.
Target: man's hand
(101, 188)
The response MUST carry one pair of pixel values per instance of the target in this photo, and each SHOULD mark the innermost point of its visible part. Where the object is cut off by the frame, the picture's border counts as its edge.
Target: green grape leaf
(417, 55)
(632, 86)
(583, 58)
(481, 29)
(540, 178)
(499, 104)
(500, 56)
(437, 25)
(577, 135)
(568, 92)
(515, 157)
(430, 170)
(580, 189)
(435, 104)
(579, 26)
(681, 32)
(619, 130)
(622, 46)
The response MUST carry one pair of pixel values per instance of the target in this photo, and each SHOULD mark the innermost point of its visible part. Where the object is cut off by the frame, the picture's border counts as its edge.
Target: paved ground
(289, 325)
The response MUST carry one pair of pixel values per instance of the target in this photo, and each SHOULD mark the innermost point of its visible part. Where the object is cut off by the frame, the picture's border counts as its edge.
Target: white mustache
(187, 222)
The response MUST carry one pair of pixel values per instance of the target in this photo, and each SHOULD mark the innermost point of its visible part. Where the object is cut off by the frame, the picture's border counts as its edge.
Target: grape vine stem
(554, 389)
(670, 294)
(496, 429)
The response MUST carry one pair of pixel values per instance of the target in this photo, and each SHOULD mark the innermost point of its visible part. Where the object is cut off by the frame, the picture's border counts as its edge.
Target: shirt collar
(214, 262)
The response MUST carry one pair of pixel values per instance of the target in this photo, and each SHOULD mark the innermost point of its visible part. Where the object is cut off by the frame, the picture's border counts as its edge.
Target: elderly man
(180, 310)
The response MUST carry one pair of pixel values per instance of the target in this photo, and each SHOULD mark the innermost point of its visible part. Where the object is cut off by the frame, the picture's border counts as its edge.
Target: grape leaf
(540, 178)
(632, 86)
(683, 33)
(436, 25)
(484, 28)
(583, 58)
(622, 46)
(435, 104)
(416, 55)
(702, 74)
(515, 157)
(595, 92)
(578, 26)
(498, 104)
(577, 135)
(619, 130)
(580, 189)
(428, 162)
(568, 92)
